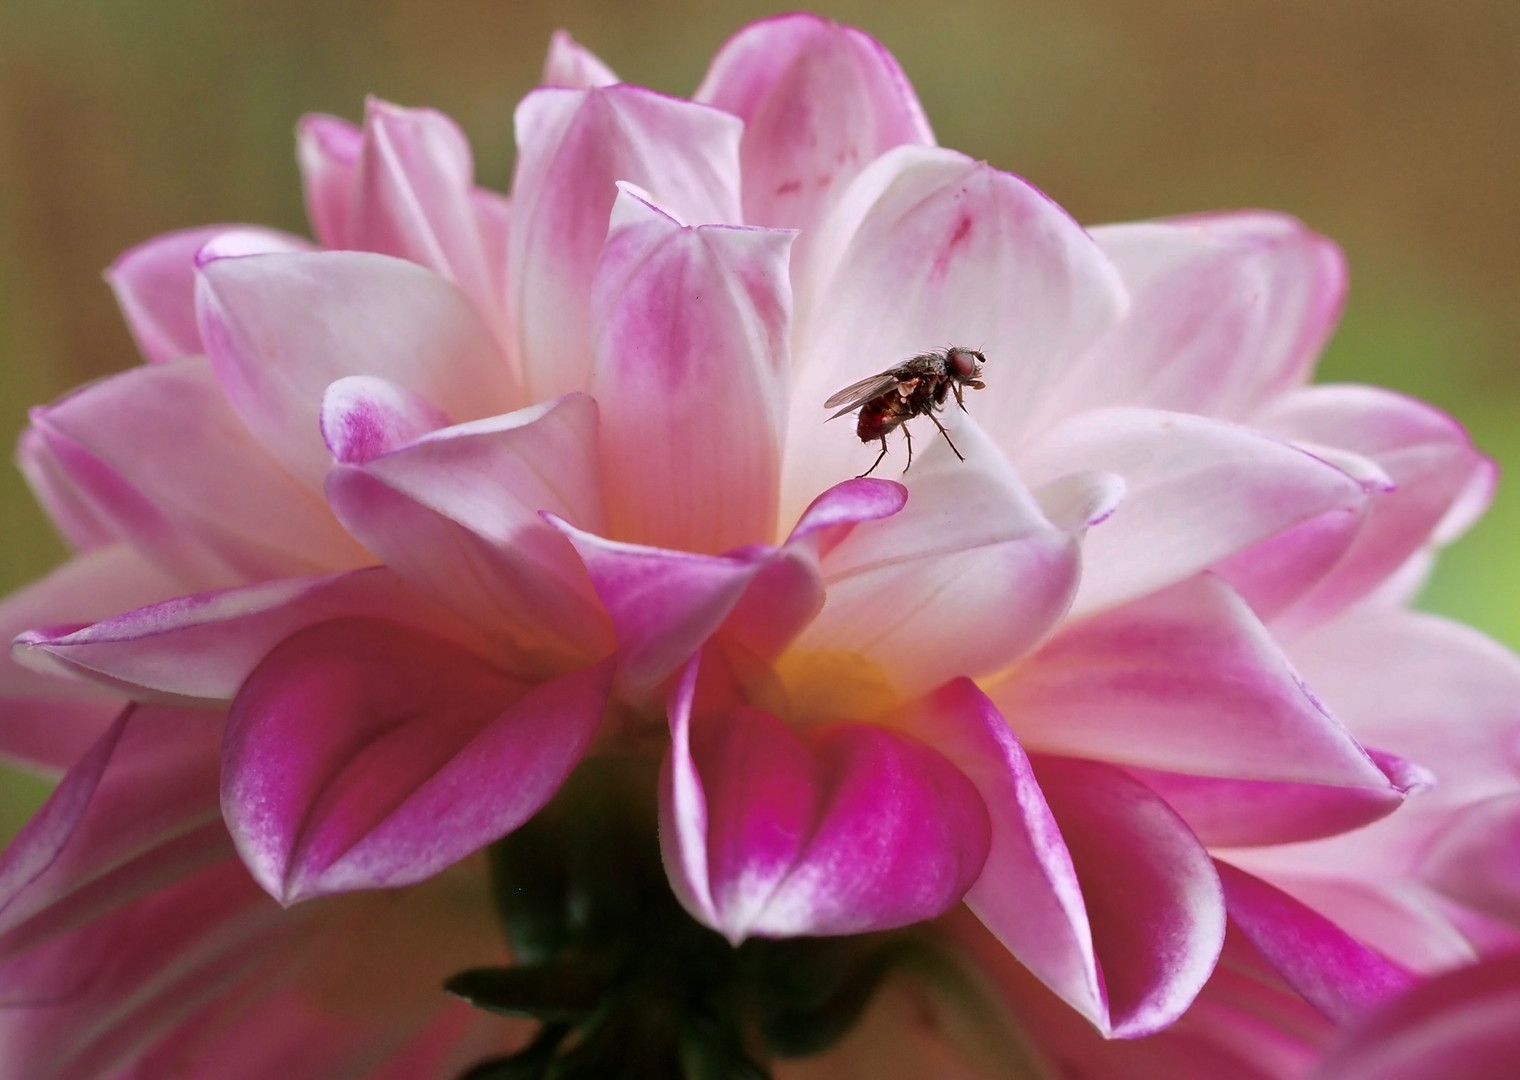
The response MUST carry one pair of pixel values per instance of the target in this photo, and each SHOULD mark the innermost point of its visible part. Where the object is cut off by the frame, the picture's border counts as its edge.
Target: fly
(916, 387)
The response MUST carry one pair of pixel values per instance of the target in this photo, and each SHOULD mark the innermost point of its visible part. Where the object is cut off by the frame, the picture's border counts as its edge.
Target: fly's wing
(858, 393)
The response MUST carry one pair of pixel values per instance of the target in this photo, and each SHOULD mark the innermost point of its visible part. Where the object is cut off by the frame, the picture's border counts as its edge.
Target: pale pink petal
(1197, 491)
(414, 198)
(154, 283)
(1339, 975)
(1432, 463)
(860, 829)
(92, 586)
(1276, 572)
(1153, 898)
(690, 333)
(1476, 858)
(930, 249)
(157, 452)
(819, 102)
(1186, 680)
(1028, 894)
(457, 511)
(926, 604)
(361, 754)
(281, 328)
(202, 647)
(327, 150)
(573, 146)
(140, 809)
(570, 64)
(1228, 311)
(70, 510)
(1398, 679)
(1457, 1026)
(364, 417)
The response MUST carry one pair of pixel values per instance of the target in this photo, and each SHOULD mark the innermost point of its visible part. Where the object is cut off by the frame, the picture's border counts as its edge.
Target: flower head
(409, 522)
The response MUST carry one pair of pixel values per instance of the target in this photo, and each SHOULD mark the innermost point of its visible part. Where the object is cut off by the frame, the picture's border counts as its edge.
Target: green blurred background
(1391, 126)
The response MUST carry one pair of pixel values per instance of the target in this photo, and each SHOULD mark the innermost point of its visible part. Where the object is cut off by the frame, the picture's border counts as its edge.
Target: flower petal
(1229, 311)
(1474, 858)
(328, 149)
(666, 604)
(361, 754)
(138, 810)
(1197, 491)
(1432, 463)
(88, 587)
(968, 256)
(819, 102)
(862, 830)
(926, 603)
(572, 146)
(570, 64)
(457, 510)
(1028, 894)
(157, 452)
(1336, 973)
(202, 647)
(1226, 812)
(154, 283)
(1458, 1026)
(1186, 680)
(281, 328)
(690, 332)
(414, 190)
(1154, 899)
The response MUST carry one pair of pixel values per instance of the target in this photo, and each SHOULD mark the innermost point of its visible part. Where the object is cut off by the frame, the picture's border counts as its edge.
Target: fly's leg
(959, 400)
(945, 433)
(909, 436)
(877, 462)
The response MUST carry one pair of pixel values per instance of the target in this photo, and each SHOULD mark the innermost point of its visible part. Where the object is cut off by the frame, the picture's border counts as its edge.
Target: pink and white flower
(406, 523)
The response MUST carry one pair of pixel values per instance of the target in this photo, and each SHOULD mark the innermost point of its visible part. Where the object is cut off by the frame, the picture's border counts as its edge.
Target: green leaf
(555, 992)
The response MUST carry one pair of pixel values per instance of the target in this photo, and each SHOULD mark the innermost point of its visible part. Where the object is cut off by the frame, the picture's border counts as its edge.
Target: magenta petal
(819, 102)
(570, 64)
(1227, 812)
(138, 810)
(202, 647)
(573, 146)
(1028, 894)
(458, 510)
(1153, 897)
(361, 754)
(1457, 1026)
(690, 336)
(1336, 973)
(1197, 491)
(1186, 680)
(327, 149)
(664, 604)
(281, 328)
(154, 283)
(157, 452)
(862, 830)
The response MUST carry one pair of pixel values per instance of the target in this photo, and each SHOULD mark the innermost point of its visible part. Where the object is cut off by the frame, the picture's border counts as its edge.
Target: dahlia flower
(516, 525)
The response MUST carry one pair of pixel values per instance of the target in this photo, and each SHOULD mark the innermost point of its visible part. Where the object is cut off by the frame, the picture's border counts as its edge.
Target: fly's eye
(962, 363)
